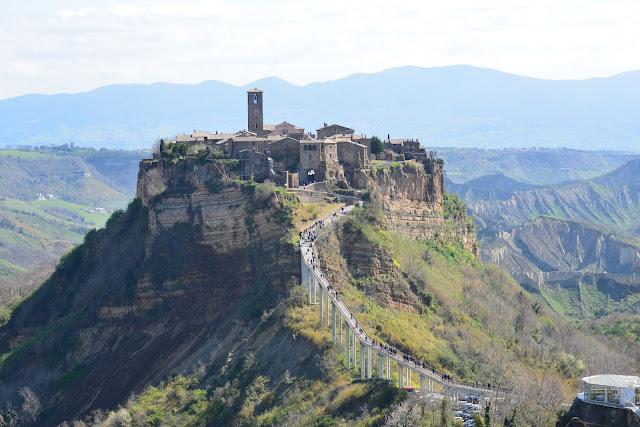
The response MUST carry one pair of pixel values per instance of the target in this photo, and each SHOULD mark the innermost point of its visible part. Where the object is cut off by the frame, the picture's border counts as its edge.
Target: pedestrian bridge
(359, 348)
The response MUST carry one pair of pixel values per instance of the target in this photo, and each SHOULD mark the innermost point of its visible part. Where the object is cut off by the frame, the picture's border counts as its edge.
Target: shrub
(377, 146)
(453, 207)
(263, 193)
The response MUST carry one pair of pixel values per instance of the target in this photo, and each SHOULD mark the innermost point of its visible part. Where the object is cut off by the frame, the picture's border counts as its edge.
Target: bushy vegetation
(377, 146)
(453, 208)
(467, 318)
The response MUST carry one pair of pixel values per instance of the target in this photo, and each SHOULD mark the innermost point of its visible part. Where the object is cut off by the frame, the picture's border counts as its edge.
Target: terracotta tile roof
(254, 90)
(336, 125)
(185, 138)
(201, 134)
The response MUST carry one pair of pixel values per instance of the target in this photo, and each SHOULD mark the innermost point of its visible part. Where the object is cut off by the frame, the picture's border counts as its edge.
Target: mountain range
(446, 106)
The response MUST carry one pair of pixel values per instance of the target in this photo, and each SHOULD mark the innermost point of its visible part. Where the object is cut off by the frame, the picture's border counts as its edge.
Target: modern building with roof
(619, 390)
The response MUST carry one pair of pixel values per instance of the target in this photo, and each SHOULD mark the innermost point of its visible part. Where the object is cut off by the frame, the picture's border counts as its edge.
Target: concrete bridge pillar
(369, 362)
(380, 366)
(422, 383)
(333, 325)
(327, 307)
(348, 349)
(400, 376)
(315, 290)
(320, 305)
(355, 360)
(340, 323)
(408, 377)
(363, 367)
(388, 368)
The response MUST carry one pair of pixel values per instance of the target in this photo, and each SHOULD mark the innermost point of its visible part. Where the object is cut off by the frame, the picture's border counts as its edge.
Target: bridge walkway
(335, 312)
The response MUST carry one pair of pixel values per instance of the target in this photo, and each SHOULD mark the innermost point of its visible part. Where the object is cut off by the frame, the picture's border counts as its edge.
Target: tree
(404, 414)
(31, 404)
(446, 419)
(377, 146)
(487, 414)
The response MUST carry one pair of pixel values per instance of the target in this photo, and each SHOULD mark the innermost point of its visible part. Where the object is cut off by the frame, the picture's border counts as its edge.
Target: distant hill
(447, 106)
(531, 166)
(573, 244)
(487, 187)
(50, 198)
(612, 200)
(628, 174)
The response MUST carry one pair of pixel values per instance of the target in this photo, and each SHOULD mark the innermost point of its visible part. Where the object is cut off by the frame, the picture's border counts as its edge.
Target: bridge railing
(430, 372)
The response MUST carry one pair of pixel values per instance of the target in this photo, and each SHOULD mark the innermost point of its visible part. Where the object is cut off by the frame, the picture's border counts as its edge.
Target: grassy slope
(478, 325)
(34, 231)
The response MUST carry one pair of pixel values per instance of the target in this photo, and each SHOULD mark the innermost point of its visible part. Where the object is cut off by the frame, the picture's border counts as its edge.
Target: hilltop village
(287, 155)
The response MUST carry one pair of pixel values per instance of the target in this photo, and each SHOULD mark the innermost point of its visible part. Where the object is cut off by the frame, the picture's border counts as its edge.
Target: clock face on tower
(255, 98)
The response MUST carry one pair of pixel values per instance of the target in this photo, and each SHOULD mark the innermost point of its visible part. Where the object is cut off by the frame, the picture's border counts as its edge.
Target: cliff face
(413, 203)
(182, 277)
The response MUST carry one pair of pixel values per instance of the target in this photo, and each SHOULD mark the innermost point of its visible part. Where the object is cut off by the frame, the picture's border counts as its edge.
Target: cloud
(238, 41)
(68, 13)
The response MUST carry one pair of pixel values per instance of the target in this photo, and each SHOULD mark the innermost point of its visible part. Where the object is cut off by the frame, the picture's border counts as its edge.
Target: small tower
(254, 111)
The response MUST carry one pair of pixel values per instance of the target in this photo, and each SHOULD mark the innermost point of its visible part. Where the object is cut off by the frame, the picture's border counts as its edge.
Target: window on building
(315, 147)
(309, 156)
(305, 148)
(613, 395)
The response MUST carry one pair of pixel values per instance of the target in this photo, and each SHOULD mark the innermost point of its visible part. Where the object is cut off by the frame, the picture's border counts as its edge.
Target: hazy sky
(76, 45)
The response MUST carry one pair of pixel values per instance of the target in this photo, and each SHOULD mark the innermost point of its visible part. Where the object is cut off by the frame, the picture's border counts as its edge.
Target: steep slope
(434, 301)
(585, 201)
(448, 106)
(161, 288)
(569, 243)
(487, 187)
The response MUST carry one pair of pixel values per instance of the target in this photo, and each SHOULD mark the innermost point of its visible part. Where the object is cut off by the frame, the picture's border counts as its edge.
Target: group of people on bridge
(309, 236)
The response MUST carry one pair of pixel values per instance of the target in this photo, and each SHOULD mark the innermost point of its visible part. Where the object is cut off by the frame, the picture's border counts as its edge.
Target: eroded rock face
(182, 279)
(413, 203)
(343, 252)
(409, 181)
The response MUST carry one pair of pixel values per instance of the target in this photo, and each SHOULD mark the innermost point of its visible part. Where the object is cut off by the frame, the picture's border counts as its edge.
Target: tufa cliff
(181, 278)
(413, 200)
(187, 277)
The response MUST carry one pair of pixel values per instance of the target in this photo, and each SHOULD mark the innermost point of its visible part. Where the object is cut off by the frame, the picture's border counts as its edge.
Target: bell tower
(254, 111)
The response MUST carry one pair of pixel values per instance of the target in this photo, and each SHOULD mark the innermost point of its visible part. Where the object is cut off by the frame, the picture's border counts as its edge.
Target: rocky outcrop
(548, 244)
(585, 201)
(413, 203)
(345, 250)
(182, 277)
(583, 413)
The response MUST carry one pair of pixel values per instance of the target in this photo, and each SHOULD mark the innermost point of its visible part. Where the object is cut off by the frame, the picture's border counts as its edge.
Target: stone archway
(311, 176)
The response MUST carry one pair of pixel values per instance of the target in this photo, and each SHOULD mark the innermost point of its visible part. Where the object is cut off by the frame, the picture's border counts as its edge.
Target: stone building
(335, 153)
(255, 122)
(285, 153)
(329, 130)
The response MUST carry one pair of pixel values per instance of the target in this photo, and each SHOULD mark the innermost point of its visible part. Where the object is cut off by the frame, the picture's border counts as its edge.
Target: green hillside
(452, 325)
(49, 198)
